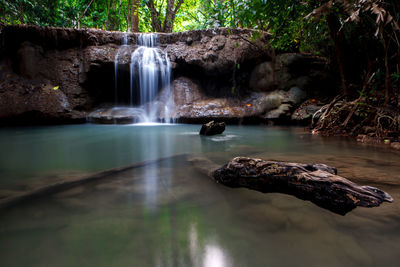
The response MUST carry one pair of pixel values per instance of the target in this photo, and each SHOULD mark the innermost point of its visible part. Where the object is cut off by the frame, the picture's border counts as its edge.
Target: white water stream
(150, 80)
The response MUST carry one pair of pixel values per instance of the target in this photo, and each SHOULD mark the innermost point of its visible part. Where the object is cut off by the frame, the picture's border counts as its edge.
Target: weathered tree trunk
(318, 183)
(135, 16)
(168, 22)
(155, 21)
(169, 19)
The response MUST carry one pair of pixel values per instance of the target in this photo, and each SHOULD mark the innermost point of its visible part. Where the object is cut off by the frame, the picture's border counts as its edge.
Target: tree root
(342, 117)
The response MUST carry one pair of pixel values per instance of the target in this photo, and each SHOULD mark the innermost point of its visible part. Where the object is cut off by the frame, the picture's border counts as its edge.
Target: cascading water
(150, 98)
(150, 71)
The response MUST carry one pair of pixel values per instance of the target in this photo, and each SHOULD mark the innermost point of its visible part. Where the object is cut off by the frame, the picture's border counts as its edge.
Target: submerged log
(317, 183)
(60, 186)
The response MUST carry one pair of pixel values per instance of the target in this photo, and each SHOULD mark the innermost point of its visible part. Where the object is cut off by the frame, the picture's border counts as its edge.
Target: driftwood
(70, 183)
(317, 183)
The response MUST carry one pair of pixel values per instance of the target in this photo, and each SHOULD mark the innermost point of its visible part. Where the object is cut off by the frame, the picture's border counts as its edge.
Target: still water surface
(168, 214)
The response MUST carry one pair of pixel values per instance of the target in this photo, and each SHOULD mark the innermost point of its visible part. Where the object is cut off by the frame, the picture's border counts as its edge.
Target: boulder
(270, 101)
(296, 95)
(116, 115)
(305, 112)
(305, 71)
(262, 77)
(212, 128)
(186, 91)
(317, 183)
(282, 112)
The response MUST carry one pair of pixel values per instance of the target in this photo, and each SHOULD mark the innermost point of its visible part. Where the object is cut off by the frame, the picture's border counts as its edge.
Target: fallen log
(317, 183)
(77, 181)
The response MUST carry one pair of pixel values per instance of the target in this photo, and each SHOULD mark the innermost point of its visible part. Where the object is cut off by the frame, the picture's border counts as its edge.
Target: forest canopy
(283, 18)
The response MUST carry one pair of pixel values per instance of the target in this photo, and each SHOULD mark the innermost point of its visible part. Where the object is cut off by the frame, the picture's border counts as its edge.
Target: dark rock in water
(212, 128)
(318, 183)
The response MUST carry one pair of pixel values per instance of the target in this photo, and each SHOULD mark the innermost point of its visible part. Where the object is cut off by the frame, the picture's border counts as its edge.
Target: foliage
(283, 18)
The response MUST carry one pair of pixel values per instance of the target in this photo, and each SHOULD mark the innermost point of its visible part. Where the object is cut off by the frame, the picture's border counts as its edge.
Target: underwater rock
(317, 183)
(212, 128)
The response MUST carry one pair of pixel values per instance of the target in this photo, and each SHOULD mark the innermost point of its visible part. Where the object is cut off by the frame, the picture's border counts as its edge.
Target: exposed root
(357, 117)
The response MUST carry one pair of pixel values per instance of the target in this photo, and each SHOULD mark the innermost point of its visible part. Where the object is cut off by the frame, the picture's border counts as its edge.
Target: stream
(169, 214)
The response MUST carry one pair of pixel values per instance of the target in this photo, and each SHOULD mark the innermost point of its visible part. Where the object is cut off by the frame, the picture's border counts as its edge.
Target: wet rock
(305, 112)
(217, 53)
(395, 145)
(116, 115)
(186, 91)
(262, 77)
(212, 128)
(282, 112)
(28, 56)
(369, 138)
(27, 102)
(317, 183)
(271, 101)
(192, 103)
(81, 63)
(304, 71)
(296, 95)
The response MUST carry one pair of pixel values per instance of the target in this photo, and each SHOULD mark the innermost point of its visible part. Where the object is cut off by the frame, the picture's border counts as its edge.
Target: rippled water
(169, 214)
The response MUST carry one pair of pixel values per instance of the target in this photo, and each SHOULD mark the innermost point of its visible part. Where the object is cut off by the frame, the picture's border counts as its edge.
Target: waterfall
(149, 81)
(150, 71)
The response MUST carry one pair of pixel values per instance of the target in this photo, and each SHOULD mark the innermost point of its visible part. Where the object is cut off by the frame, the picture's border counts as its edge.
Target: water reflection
(168, 214)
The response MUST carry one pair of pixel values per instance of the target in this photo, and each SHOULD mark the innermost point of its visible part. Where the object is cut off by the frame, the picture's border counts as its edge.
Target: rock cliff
(59, 75)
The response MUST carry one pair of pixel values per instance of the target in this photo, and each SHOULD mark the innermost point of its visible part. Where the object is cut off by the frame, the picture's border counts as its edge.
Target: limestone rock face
(217, 73)
(81, 63)
(28, 56)
(303, 114)
(283, 112)
(34, 103)
(193, 104)
(296, 95)
(217, 52)
(186, 91)
(262, 78)
(304, 71)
